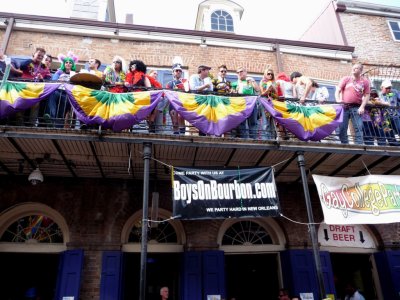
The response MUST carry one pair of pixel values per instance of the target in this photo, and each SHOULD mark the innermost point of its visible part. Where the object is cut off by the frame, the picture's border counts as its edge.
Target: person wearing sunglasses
(221, 84)
(269, 88)
(114, 75)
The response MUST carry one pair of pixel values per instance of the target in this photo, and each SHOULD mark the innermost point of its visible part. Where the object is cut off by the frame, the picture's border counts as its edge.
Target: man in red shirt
(353, 93)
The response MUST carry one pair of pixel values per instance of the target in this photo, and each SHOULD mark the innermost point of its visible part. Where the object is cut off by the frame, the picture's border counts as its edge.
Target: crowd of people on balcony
(374, 115)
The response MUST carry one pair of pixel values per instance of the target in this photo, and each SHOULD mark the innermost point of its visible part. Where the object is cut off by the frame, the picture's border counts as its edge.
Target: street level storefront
(75, 235)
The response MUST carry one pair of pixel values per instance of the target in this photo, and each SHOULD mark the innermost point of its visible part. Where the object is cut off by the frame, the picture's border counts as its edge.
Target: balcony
(65, 147)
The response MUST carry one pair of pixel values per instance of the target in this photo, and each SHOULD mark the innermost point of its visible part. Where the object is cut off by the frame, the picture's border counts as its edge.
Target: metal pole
(311, 226)
(143, 251)
(6, 39)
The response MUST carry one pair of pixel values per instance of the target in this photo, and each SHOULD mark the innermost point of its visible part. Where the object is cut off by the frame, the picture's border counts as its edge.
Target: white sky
(285, 19)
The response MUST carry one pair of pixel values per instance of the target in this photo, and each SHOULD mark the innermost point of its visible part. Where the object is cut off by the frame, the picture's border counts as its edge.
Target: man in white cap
(392, 98)
(177, 83)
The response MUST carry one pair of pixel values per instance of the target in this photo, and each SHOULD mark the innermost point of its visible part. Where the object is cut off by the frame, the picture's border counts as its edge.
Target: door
(110, 286)
(69, 274)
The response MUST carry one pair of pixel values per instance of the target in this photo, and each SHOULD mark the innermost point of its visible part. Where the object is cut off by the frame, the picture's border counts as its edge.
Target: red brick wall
(80, 202)
(161, 54)
(372, 39)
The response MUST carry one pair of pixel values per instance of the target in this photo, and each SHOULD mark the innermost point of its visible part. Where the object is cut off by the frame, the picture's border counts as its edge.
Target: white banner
(372, 199)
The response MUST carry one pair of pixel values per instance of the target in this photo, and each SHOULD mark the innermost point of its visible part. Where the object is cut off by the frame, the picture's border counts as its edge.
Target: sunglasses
(270, 73)
(240, 71)
(223, 71)
(117, 62)
(177, 70)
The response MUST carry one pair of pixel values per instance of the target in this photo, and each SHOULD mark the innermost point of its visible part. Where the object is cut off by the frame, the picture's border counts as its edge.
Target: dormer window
(221, 21)
(395, 28)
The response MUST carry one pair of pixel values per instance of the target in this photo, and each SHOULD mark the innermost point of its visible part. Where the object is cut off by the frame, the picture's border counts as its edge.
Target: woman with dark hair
(136, 77)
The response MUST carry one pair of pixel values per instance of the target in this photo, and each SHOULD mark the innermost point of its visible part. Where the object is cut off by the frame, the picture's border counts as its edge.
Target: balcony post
(143, 251)
(311, 225)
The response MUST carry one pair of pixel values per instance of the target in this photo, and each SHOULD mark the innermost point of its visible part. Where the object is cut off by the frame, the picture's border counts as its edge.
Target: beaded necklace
(358, 86)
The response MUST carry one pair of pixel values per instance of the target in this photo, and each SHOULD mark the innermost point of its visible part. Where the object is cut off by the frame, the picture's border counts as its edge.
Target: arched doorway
(252, 264)
(166, 238)
(32, 235)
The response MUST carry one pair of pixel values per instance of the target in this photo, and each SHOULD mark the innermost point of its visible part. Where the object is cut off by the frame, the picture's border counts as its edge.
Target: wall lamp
(203, 43)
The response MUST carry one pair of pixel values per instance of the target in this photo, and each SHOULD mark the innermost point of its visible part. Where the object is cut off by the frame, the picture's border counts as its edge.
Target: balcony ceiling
(74, 153)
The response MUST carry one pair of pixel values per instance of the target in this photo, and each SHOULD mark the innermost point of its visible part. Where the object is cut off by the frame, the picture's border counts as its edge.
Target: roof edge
(164, 30)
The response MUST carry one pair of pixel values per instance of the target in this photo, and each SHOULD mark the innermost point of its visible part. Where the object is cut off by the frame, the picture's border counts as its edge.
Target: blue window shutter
(69, 274)
(191, 281)
(214, 273)
(110, 286)
(327, 272)
(299, 272)
(388, 266)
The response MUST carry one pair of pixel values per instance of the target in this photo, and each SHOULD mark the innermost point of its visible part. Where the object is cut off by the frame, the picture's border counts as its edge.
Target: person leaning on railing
(271, 89)
(247, 86)
(373, 121)
(353, 93)
(181, 84)
(33, 69)
(58, 108)
(114, 75)
(391, 98)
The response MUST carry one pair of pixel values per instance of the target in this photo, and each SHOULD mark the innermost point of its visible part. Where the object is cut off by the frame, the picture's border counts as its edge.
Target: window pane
(214, 27)
(394, 25)
(230, 28)
(38, 228)
(396, 35)
(229, 22)
(222, 27)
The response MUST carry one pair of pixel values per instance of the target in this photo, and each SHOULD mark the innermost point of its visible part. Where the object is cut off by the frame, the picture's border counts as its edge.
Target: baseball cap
(204, 67)
(386, 83)
(176, 67)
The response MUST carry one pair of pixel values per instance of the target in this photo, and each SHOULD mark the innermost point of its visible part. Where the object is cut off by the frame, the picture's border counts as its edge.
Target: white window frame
(391, 30)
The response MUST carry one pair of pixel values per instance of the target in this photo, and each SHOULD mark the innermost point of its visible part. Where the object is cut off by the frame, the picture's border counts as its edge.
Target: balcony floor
(105, 154)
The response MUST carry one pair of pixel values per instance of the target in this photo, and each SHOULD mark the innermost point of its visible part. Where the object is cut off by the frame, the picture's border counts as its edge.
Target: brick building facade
(98, 214)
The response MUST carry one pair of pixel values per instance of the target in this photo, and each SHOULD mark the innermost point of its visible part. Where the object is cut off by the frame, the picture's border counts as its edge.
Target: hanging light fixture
(36, 176)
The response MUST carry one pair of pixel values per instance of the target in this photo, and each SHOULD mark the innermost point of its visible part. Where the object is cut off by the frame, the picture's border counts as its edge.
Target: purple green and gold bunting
(17, 96)
(305, 122)
(212, 114)
(117, 111)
